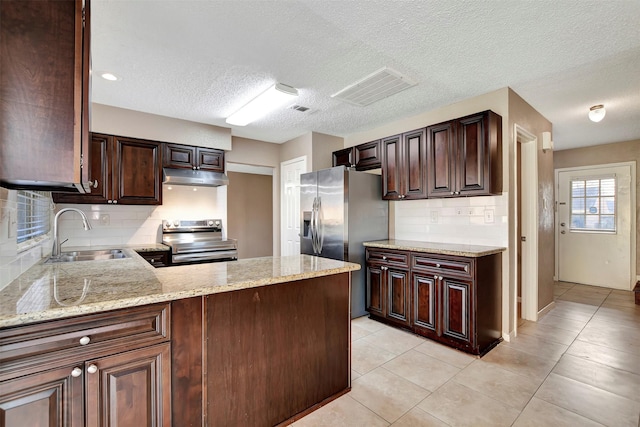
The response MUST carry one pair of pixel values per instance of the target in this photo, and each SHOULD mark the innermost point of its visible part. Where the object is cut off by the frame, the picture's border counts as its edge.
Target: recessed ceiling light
(110, 76)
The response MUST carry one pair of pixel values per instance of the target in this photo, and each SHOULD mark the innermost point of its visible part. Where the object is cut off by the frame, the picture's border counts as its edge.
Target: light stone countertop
(58, 290)
(457, 249)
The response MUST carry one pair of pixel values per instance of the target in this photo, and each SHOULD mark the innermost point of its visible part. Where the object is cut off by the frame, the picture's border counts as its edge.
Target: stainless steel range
(197, 241)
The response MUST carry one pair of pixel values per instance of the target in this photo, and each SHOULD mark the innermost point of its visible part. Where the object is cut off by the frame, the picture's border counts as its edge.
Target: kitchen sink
(89, 255)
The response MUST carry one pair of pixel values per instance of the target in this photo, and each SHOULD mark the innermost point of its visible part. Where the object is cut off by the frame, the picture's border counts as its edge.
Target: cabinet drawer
(123, 328)
(400, 259)
(460, 267)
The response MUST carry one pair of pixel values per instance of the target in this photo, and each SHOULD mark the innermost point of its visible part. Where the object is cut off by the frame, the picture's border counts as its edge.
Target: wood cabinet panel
(344, 157)
(389, 257)
(441, 149)
(398, 300)
(392, 168)
(425, 301)
(52, 398)
(44, 92)
(456, 305)
(130, 389)
(210, 159)
(375, 290)
(274, 351)
(415, 165)
(137, 172)
(179, 156)
(368, 156)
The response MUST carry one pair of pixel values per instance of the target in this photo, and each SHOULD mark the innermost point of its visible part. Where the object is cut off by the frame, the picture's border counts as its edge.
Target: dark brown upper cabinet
(404, 166)
(122, 171)
(465, 156)
(363, 157)
(44, 94)
(196, 158)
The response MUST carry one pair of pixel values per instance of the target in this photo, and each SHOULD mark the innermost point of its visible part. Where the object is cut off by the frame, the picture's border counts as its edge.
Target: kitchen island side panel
(277, 351)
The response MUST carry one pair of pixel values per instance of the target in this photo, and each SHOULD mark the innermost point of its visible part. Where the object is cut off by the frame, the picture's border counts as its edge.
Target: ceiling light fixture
(110, 76)
(597, 113)
(269, 100)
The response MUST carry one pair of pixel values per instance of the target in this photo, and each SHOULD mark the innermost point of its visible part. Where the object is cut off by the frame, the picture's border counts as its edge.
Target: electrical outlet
(458, 211)
(488, 216)
(434, 217)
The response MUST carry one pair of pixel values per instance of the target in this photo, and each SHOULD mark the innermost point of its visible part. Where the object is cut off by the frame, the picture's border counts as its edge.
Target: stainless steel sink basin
(89, 255)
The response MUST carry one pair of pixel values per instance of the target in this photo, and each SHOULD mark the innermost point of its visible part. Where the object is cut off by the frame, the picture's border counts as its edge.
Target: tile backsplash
(111, 224)
(472, 220)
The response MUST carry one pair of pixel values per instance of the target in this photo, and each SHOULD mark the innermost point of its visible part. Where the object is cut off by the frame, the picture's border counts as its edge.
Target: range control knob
(167, 224)
(210, 222)
(217, 223)
(176, 223)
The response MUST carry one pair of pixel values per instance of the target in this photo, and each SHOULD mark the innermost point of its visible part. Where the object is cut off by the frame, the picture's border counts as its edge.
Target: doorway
(595, 235)
(250, 212)
(290, 172)
(526, 235)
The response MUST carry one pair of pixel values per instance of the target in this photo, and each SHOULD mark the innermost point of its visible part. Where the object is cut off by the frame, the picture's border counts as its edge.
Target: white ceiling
(202, 60)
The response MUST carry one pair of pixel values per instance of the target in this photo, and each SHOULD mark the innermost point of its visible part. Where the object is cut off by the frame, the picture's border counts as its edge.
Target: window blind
(34, 214)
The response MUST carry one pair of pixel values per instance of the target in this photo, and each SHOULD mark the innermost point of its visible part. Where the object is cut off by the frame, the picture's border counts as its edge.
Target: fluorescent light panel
(271, 99)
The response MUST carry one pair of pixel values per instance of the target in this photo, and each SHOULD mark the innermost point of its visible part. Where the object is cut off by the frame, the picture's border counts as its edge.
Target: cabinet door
(441, 159)
(414, 158)
(368, 156)
(99, 166)
(47, 399)
(375, 290)
(398, 292)
(137, 172)
(456, 309)
(130, 389)
(392, 168)
(343, 157)
(479, 160)
(44, 76)
(179, 156)
(210, 159)
(425, 303)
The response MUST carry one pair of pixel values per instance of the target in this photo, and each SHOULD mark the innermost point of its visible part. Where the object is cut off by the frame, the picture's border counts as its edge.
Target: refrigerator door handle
(320, 226)
(312, 227)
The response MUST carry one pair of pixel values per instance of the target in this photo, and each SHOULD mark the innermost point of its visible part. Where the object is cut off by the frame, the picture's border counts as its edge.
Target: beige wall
(525, 116)
(250, 213)
(323, 146)
(259, 153)
(120, 121)
(298, 147)
(628, 151)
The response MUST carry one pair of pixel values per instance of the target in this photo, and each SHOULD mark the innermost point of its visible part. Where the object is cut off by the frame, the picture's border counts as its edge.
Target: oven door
(184, 258)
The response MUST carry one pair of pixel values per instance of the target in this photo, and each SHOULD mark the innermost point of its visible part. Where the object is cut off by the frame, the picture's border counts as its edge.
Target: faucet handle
(63, 242)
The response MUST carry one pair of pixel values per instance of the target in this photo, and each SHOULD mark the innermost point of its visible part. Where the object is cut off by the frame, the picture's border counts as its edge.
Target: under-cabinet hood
(194, 177)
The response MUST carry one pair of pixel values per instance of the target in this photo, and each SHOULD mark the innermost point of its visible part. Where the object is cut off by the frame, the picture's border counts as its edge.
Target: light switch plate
(488, 216)
(434, 217)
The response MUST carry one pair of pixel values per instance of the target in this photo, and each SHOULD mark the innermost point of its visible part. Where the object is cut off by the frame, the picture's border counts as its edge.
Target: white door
(594, 225)
(290, 172)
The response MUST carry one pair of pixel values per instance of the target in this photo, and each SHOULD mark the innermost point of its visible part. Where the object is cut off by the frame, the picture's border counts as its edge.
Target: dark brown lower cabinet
(451, 299)
(43, 399)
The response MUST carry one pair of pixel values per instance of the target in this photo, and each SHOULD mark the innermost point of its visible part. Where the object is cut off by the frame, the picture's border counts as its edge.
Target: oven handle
(203, 255)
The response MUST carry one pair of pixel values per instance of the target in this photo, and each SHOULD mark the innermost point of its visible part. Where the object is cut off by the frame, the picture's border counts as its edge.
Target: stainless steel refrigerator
(341, 209)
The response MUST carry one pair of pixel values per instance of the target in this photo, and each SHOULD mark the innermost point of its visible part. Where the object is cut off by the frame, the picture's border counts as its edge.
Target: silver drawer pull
(85, 340)
(92, 369)
(76, 372)
(466, 268)
(438, 265)
(384, 257)
(435, 277)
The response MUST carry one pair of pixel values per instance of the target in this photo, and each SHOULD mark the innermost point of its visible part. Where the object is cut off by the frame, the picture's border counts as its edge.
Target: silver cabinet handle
(440, 277)
(92, 369)
(92, 184)
(435, 277)
(76, 372)
(85, 340)
(453, 192)
(193, 167)
(384, 257)
(115, 201)
(466, 268)
(438, 265)
(109, 201)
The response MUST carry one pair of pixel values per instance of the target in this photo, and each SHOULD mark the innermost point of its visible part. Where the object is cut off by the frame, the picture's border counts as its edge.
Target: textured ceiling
(202, 60)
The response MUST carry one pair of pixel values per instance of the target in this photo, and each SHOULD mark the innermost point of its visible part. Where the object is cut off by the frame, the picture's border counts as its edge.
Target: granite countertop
(458, 249)
(58, 290)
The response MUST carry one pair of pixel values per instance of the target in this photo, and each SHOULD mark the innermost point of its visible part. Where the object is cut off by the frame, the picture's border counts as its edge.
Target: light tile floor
(577, 366)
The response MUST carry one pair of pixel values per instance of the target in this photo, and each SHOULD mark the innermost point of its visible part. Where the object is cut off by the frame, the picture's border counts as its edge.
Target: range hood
(193, 177)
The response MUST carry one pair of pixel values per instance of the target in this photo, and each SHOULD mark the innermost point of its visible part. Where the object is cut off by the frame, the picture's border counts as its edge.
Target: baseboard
(507, 337)
(546, 309)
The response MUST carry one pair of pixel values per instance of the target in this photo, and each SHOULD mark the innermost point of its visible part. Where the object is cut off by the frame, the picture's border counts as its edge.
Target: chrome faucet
(55, 252)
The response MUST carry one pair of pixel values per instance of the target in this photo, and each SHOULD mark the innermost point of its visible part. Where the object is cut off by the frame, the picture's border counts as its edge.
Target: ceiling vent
(299, 108)
(376, 86)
